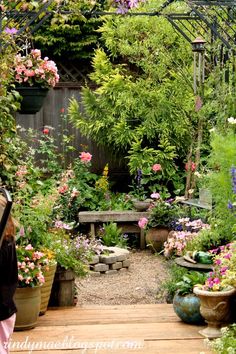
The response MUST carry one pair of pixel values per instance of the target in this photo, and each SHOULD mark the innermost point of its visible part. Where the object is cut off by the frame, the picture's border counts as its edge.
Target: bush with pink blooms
(32, 70)
(30, 263)
(185, 230)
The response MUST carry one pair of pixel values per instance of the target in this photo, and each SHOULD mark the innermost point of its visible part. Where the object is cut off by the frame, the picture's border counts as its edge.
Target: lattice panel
(70, 73)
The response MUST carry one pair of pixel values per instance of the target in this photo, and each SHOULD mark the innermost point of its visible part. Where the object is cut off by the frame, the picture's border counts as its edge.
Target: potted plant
(162, 212)
(185, 303)
(33, 77)
(30, 278)
(72, 254)
(216, 294)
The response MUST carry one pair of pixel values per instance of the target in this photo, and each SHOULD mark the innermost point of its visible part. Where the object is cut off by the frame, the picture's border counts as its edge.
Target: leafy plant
(189, 280)
(137, 110)
(169, 285)
(111, 235)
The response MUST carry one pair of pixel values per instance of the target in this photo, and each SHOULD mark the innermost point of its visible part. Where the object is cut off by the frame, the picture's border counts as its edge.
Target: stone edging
(116, 261)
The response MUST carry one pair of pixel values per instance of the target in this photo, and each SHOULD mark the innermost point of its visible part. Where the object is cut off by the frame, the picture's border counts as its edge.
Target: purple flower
(230, 205)
(11, 31)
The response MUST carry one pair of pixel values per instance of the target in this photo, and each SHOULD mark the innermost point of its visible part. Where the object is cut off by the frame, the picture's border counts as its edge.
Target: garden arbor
(214, 20)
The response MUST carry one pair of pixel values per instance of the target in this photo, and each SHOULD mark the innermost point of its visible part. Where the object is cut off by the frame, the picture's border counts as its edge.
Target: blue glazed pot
(187, 308)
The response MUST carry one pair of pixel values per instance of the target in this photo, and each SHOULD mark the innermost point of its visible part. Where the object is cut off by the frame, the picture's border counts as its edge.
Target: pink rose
(142, 223)
(85, 156)
(156, 167)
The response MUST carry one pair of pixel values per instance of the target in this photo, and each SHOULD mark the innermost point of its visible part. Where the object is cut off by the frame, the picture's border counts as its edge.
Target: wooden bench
(127, 220)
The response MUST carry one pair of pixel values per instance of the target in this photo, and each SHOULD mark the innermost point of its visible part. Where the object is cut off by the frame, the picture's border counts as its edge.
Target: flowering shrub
(223, 275)
(73, 253)
(76, 188)
(30, 263)
(185, 230)
(32, 70)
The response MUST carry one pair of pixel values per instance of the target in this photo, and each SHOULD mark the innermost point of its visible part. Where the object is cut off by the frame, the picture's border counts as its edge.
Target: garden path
(139, 285)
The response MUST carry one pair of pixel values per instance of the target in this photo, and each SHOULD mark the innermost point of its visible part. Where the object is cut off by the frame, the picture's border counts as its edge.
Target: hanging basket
(32, 99)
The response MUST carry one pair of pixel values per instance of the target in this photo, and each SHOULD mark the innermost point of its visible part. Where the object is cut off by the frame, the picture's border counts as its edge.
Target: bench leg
(142, 239)
(92, 230)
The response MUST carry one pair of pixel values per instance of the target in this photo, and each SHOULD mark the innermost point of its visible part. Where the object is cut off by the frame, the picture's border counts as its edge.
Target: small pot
(141, 205)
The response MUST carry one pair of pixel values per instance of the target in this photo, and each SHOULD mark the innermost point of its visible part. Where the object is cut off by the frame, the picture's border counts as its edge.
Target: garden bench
(127, 220)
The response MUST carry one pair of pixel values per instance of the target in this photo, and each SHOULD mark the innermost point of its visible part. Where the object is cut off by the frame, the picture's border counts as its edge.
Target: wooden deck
(121, 329)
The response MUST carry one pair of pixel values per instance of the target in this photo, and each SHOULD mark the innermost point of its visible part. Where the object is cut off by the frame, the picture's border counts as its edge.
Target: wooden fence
(50, 115)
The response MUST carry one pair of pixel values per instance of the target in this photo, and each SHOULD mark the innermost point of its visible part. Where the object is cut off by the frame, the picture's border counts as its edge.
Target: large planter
(32, 99)
(187, 308)
(63, 288)
(215, 308)
(155, 238)
(27, 302)
(47, 287)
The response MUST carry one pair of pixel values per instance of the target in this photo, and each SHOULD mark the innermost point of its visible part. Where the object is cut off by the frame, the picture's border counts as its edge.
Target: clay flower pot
(215, 308)
(155, 238)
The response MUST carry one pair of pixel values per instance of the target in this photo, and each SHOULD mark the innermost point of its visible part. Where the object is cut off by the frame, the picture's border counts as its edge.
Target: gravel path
(139, 285)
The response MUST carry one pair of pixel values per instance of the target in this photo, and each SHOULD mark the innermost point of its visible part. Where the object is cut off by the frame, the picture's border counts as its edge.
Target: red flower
(62, 110)
(46, 131)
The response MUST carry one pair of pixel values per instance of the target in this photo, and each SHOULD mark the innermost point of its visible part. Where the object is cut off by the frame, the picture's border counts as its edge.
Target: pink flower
(190, 165)
(155, 195)
(29, 247)
(63, 189)
(85, 156)
(142, 223)
(156, 167)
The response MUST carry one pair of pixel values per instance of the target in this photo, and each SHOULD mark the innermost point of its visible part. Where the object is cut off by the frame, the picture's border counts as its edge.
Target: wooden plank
(152, 328)
(111, 215)
(120, 331)
(94, 315)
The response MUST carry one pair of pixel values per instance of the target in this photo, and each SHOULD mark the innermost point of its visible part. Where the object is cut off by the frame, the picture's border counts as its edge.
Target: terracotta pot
(215, 308)
(27, 302)
(156, 237)
(47, 287)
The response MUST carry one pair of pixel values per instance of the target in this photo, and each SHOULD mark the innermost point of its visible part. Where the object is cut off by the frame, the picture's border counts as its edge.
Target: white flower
(232, 120)
(197, 174)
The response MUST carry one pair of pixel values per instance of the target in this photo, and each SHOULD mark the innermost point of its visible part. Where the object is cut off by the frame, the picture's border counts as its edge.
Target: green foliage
(138, 109)
(69, 34)
(209, 239)
(175, 274)
(189, 280)
(226, 344)
(163, 214)
(111, 235)
(218, 180)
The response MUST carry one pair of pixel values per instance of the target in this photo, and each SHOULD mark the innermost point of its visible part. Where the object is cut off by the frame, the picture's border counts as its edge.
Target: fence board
(50, 115)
